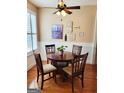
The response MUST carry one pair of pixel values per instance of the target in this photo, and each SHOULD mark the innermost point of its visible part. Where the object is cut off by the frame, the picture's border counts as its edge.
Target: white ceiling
(53, 3)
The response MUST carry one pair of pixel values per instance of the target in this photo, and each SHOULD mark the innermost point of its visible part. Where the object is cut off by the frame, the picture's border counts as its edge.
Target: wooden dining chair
(44, 69)
(76, 50)
(51, 49)
(77, 68)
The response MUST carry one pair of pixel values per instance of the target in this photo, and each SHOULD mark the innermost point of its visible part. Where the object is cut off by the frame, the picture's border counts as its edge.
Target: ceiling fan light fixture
(63, 13)
(63, 9)
(58, 13)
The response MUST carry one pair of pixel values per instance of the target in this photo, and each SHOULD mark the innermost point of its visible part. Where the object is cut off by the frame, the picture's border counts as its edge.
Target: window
(31, 32)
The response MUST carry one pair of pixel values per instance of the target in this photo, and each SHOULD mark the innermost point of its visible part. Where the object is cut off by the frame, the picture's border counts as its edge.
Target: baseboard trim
(30, 66)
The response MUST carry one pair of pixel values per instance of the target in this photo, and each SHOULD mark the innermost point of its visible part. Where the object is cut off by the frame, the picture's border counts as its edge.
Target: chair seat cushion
(68, 70)
(48, 68)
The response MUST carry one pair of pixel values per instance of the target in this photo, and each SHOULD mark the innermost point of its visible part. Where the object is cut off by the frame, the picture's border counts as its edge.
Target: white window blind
(31, 32)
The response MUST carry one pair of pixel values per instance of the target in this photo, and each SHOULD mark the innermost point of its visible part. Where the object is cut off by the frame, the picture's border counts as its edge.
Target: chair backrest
(38, 62)
(76, 50)
(78, 64)
(50, 48)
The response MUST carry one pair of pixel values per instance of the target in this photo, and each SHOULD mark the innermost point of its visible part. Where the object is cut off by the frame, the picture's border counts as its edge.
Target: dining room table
(58, 57)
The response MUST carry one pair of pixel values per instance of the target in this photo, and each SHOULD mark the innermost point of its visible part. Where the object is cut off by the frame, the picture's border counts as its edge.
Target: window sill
(31, 53)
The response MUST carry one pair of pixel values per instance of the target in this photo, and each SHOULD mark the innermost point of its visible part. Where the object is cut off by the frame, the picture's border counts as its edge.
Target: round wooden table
(57, 57)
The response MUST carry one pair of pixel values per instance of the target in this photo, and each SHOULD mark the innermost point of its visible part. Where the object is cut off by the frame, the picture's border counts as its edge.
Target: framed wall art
(57, 31)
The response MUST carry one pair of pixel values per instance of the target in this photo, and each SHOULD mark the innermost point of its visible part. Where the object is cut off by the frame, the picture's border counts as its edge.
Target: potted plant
(61, 49)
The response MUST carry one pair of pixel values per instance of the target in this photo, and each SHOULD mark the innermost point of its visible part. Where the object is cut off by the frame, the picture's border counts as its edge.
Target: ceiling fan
(63, 9)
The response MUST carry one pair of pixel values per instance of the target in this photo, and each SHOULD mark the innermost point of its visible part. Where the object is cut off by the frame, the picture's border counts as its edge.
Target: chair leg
(54, 75)
(37, 75)
(62, 75)
(82, 77)
(42, 81)
(72, 85)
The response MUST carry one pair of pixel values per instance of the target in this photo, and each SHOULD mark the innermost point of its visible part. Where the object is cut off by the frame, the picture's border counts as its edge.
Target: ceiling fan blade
(67, 11)
(73, 7)
(55, 12)
(51, 7)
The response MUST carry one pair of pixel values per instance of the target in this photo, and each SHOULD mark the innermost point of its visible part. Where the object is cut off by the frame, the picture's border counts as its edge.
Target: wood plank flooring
(90, 82)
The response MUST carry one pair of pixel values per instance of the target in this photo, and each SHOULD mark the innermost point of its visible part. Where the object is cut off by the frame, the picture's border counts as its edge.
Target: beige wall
(83, 18)
(32, 7)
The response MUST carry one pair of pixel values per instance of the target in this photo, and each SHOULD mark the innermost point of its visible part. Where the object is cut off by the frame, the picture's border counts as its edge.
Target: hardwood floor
(90, 82)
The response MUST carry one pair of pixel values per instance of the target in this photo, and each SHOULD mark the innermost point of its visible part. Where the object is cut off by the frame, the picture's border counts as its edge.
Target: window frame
(32, 33)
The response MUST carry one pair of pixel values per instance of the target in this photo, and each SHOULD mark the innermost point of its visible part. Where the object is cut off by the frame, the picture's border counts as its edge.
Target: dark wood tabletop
(66, 57)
